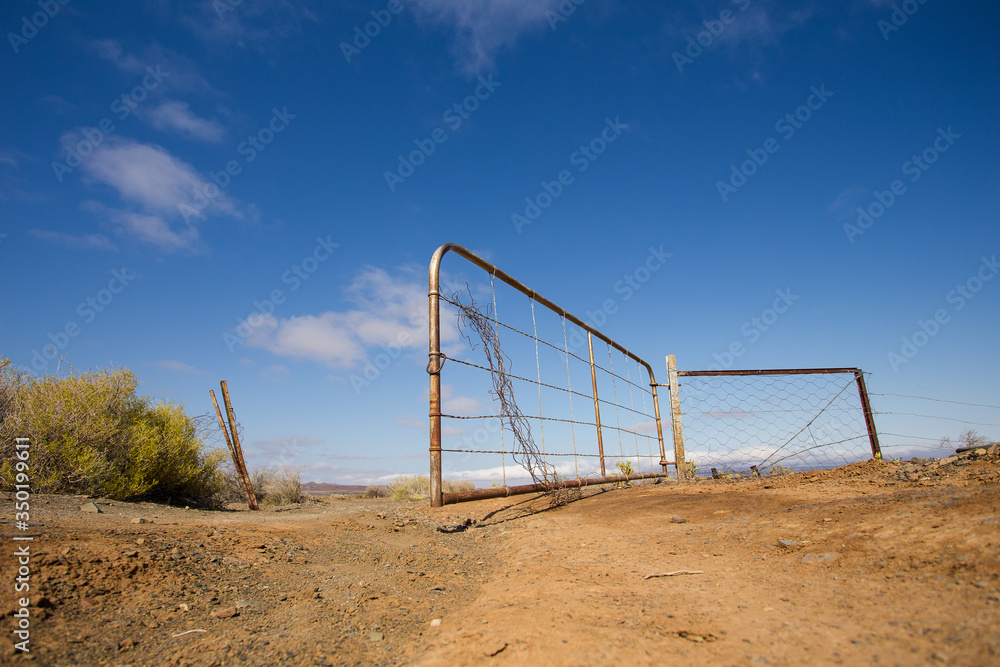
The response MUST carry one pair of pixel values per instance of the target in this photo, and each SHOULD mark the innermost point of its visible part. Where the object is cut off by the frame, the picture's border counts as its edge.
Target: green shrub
(91, 434)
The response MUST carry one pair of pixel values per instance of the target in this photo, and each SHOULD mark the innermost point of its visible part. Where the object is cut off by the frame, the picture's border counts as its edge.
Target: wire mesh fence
(524, 394)
(771, 422)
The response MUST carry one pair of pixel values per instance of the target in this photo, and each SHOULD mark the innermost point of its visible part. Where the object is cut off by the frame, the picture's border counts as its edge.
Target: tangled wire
(481, 321)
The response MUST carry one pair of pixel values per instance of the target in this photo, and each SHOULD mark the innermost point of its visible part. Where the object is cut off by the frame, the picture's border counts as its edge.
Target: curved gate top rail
(434, 370)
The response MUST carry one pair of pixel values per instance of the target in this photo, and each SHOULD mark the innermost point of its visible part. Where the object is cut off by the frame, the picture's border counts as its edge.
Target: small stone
(439, 587)
(140, 540)
(494, 649)
(820, 557)
(789, 544)
(139, 519)
(183, 607)
(90, 508)
(242, 604)
(225, 612)
(376, 636)
(677, 519)
(436, 623)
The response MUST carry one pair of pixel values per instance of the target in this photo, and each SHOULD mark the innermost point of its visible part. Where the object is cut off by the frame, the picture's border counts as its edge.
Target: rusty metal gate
(555, 445)
(760, 422)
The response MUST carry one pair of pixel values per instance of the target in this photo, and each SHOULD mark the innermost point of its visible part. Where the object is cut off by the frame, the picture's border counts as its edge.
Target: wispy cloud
(181, 73)
(260, 25)
(843, 200)
(82, 242)
(178, 367)
(176, 116)
(148, 177)
(747, 38)
(483, 28)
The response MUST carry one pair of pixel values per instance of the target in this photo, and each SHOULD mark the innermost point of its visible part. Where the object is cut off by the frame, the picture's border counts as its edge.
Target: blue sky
(166, 168)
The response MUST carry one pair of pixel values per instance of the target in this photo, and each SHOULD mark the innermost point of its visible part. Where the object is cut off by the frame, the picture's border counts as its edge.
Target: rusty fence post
(244, 481)
(241, 465)
(675, 417)
(597, 402)
(435, 362)
(869, 416)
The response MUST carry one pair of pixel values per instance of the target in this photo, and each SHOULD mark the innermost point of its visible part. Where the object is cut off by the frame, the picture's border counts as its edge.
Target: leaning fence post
(869, 416)
(244, 481)
(240, 464)
(597, 402)
(675, 417)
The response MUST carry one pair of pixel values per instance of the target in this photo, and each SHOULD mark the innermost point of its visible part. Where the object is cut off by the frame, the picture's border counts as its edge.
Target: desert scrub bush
(271, 486)
(376, 491)
(91, 434)
(418, 487)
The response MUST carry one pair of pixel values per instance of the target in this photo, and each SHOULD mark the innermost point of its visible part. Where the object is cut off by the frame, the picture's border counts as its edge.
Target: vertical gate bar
(659, 425)
(869, 417)
(597, 403)
(434, 363)
(675, 417)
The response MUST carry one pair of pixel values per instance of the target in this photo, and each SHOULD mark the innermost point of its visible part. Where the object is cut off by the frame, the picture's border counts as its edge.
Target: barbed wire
(481, 322)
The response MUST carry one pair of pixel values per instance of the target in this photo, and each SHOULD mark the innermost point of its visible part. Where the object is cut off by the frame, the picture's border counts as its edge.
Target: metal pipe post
(869, 416)
(597, 402)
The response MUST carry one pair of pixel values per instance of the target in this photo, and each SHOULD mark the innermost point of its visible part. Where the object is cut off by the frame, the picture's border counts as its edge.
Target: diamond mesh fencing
(770, 424)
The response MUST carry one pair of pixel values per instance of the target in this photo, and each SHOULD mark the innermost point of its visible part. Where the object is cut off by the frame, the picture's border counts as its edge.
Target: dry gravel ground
(883, 563)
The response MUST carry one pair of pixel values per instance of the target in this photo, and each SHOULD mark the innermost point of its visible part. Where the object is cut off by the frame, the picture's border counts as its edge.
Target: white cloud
(456, 404)
(149, 177)
(389, 311)
(483, 28)
(176, 116)
(83, 242)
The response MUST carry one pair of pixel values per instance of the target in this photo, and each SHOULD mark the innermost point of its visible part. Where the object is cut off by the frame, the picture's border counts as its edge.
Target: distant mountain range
(324, 489)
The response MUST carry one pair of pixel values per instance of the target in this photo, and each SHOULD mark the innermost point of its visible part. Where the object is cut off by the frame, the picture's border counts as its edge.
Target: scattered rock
(140, 519)
(225, 612)
(789, 544)
(820, 557)
(677, 519)
(376, 636)
(436, 623)
(439, 587)
(90, 508)
(455, 528)
(495, 649)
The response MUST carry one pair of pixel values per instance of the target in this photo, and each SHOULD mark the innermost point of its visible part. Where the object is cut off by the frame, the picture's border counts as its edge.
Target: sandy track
(914, 577)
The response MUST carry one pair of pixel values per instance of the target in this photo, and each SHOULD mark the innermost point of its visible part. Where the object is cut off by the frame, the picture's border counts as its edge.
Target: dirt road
(876, 563)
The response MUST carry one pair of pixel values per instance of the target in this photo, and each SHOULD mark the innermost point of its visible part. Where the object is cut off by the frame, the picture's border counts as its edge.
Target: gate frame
(859, 378)
(436, 362)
